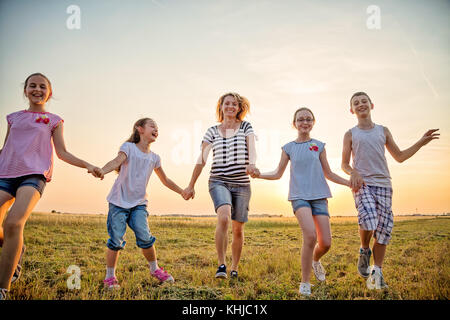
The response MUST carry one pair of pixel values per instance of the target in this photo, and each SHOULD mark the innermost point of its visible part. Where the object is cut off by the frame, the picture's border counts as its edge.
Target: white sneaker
(319, 270)
(376, 279)
(305, 288)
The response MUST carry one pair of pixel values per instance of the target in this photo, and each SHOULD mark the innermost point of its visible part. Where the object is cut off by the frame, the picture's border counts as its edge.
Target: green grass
(417, 263)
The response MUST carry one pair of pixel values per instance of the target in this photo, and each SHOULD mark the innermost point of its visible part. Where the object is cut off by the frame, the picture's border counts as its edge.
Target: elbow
(60, 155)
(399, 158)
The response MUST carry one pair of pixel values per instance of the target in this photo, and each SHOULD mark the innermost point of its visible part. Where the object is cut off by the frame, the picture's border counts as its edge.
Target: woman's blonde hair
(302, 109)
(244, 106)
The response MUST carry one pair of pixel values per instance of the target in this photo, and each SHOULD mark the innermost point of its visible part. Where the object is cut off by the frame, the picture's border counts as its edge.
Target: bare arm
(63, 154)
(402, 155)
(356, 181)
(189, 192)
(6, 138)
(114, 163)
(278, 172)
(166, 181)
(330, 175)
(251, 145)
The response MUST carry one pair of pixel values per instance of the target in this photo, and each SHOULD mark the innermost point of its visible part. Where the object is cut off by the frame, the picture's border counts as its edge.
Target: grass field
(417, 264)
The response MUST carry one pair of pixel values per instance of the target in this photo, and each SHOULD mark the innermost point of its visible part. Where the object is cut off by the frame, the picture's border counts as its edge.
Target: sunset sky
(171, 61)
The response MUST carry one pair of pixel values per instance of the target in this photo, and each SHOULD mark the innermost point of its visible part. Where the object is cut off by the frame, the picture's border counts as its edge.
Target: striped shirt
(230, 155)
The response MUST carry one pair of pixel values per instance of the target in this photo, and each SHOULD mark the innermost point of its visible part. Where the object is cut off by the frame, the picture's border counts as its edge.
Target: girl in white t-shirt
(128, 199)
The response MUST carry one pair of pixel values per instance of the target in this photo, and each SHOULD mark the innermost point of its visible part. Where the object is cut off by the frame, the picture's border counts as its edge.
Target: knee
(325, 245)
(12, 227)
(309, 239)
(223, 218)
(238, 232)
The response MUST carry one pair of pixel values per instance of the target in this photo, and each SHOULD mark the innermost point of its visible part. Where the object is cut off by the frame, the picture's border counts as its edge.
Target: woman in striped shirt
(234, 157)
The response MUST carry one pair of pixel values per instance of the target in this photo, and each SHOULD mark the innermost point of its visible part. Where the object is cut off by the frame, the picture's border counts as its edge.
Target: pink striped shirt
(29, 147)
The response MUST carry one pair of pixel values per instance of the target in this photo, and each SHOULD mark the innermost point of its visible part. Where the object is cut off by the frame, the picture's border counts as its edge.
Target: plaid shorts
(375, 212)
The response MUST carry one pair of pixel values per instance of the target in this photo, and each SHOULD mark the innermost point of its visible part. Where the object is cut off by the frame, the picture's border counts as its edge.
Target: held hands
(96, 172)
(188, 193)
(428, 136)
(252, 171)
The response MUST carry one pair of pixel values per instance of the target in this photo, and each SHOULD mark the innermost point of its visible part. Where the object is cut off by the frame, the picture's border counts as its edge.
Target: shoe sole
(364, 276)
(221, 275)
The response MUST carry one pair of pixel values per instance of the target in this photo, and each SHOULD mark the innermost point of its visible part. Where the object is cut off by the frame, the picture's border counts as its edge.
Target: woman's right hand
(256, 173)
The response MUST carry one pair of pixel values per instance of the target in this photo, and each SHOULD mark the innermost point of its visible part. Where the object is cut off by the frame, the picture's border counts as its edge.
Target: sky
(113, 62)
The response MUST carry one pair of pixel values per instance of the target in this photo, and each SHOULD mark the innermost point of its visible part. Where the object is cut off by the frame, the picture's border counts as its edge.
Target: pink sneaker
(162, 275)
(111, 283)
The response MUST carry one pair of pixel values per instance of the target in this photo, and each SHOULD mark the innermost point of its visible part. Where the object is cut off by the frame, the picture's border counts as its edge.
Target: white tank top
(368, 148)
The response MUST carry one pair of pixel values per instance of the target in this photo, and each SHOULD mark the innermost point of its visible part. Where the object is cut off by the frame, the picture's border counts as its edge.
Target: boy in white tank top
(371, 183)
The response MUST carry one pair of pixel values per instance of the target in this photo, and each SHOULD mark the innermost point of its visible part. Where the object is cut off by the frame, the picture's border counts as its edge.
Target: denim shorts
(136, 218)
(318, 207)
(236, 195)
(11, 185)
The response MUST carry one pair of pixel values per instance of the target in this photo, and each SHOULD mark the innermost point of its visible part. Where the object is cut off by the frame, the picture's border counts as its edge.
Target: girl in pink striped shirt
(26, 164)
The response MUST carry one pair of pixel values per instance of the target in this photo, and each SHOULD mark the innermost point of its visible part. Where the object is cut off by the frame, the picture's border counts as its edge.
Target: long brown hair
(135, 137)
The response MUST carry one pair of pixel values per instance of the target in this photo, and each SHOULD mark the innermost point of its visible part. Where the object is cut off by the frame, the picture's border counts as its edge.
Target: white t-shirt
(129, 189)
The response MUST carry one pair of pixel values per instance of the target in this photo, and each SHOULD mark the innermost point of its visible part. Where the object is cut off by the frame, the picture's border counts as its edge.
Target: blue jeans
(136, 218)
(318, 207)
(237, 196)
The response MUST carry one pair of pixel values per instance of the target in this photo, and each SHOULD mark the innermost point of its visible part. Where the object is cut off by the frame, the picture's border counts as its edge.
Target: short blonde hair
(244, 106)
(360, 93)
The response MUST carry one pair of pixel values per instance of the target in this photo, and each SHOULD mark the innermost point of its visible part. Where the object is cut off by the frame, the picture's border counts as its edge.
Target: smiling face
(37, 90)
(304, 121)
(230, 107)
(149, 131)
(361, 105)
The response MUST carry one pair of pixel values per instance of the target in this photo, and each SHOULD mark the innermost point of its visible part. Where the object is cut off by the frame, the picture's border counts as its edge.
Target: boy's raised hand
(429, 135)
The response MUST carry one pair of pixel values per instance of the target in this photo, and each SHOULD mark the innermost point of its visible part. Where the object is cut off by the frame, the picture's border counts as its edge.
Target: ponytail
(135, 136)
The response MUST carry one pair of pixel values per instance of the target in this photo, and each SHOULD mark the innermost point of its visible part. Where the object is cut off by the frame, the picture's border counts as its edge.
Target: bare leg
(26, 199)
(322, 223)
(112, 256)
(238, 242)
(221, 237)
(6, 200)
(365, 236)
(306, 221)
(149, 253)
(379, 250)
